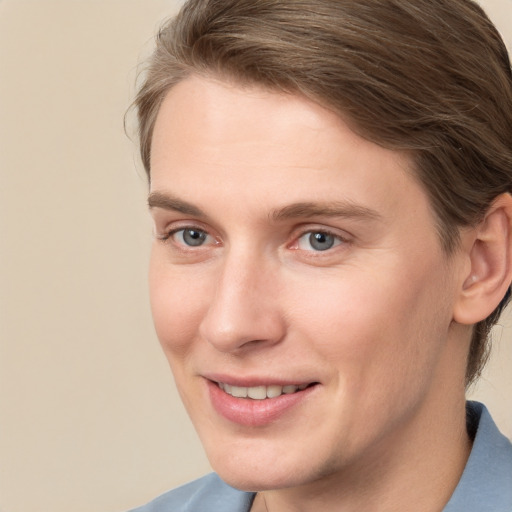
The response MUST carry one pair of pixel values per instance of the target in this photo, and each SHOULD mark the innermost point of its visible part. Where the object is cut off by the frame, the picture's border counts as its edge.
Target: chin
(248, 481)
(257, 473)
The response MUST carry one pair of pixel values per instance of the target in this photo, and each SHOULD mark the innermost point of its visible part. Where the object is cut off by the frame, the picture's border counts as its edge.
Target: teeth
(239, 391)
(274, 391)
(260, 392)
(257, 393)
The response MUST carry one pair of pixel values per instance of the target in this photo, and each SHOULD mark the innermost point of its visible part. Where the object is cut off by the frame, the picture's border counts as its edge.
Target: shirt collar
(486, 483)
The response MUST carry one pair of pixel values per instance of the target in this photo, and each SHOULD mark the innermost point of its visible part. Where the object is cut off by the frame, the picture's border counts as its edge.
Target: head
(430, 79)
(329, 184)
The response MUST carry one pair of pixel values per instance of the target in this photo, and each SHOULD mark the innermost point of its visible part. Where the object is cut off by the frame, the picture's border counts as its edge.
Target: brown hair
(430, 77)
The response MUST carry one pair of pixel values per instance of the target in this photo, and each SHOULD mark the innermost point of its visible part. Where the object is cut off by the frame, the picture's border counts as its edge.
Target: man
(329, 183)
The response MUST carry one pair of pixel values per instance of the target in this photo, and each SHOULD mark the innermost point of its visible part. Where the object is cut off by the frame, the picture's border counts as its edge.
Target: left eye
(317, 241)
(190, 237)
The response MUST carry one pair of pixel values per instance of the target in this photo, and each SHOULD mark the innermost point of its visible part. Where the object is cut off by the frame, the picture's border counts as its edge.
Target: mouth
(262, 392)
(260, 405)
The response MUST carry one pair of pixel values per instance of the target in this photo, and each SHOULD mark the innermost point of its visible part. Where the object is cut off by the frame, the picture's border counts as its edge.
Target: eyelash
(166, 237)
(337, 240)
(295, 245)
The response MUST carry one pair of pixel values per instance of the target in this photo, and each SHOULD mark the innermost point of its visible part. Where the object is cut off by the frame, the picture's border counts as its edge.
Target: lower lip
(254, 413)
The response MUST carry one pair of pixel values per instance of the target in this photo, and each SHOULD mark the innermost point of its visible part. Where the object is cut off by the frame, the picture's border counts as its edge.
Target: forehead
(216, 113)
(257, 148)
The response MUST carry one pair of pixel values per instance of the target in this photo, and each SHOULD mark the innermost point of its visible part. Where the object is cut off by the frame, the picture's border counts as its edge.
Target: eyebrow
(296, 210)
(169, 202)
(325, 209)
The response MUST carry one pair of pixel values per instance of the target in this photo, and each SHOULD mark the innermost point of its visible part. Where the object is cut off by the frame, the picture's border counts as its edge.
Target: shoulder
(486, 483)
(208, 494)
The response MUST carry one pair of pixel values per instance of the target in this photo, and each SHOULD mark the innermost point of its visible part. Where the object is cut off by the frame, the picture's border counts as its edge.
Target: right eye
(191, 237)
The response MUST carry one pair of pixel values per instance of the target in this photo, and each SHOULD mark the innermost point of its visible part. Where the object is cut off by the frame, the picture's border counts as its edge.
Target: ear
(486, 279)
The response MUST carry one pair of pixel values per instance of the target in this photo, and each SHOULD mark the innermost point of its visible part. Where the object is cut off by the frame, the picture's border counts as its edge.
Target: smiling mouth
(257, 405)
(262, 392)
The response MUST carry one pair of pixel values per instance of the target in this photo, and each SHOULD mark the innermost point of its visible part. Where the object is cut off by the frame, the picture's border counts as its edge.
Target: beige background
(89, 419)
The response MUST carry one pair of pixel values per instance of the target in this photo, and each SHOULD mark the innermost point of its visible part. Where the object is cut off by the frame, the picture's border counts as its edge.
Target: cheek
(178, 301)
(373, 326)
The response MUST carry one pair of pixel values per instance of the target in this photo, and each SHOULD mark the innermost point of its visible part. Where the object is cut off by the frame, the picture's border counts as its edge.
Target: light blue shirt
(485, 485)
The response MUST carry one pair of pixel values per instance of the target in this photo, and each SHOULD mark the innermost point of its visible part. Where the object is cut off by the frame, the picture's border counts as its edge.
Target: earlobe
(489, 249)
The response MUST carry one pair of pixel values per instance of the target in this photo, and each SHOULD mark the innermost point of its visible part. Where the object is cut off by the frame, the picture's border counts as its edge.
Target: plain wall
(89, 418)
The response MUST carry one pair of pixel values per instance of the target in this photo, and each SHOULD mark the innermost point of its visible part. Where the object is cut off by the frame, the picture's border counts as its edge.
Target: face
(298, 286)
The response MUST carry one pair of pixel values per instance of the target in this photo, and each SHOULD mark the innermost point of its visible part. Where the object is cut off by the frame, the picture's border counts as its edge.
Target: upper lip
(253, 381)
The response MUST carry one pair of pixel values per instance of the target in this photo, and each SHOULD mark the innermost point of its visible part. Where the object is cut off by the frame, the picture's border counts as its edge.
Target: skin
(370, 320)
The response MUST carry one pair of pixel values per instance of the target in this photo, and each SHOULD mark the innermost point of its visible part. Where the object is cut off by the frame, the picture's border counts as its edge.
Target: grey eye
(321, 241)
(317, 241)
(192, 237)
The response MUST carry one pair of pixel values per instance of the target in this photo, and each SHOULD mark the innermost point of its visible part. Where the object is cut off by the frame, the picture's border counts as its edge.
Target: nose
(245, 308)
